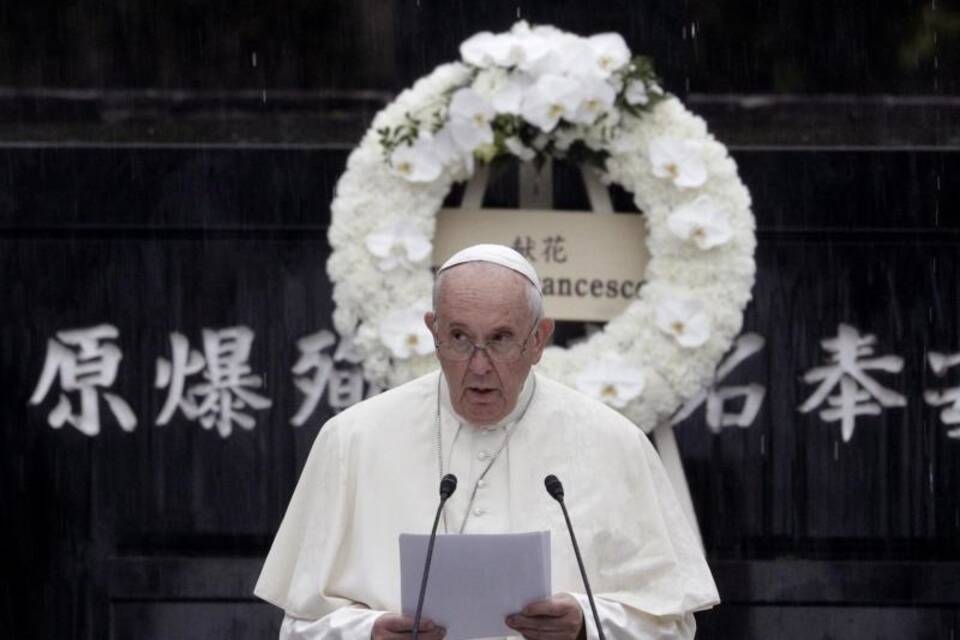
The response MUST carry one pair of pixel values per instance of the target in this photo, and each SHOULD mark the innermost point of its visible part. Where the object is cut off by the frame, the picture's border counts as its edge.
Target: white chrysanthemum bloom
(598, 97)
(686, 320)
(418, 162)
(612, 381)
(405, 334)
(470, 116)
(400, 244)
(517, 148)
(551, 98)
(636, 93)
(679, 160)
(598, 135)
(702, 222)
(610, 53)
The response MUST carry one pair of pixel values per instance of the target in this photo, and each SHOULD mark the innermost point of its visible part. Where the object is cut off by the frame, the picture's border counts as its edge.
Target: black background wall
(168, 167)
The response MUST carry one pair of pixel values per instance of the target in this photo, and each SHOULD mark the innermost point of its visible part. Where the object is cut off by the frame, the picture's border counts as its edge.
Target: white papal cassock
(374, 471)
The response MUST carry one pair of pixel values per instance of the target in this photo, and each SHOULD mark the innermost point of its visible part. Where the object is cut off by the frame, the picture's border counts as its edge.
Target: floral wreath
(536, 93)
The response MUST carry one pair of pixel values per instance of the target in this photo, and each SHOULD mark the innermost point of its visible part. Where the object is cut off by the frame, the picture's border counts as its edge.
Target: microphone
(448, 484)
(555, 489)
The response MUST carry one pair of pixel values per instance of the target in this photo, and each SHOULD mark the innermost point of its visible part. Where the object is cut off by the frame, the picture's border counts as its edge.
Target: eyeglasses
(501, 348)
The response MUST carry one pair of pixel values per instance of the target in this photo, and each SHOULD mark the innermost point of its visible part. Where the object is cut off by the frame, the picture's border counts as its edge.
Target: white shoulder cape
(373, 473)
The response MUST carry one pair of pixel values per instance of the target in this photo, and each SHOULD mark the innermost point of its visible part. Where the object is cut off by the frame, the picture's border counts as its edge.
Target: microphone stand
(555, 489)
(447, 486)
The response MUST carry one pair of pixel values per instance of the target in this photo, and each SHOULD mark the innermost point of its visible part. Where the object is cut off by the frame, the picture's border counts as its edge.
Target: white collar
(523, 400)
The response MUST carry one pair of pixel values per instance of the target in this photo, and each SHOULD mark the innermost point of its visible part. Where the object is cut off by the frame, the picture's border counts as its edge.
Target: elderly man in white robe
(500, 428)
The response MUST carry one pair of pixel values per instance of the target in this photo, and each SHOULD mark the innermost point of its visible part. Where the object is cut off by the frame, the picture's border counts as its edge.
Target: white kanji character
(939, 364)
(173, 373)
(848, 371)
(85, 367)
(344, 387)
(228, 380)
(716, 397)
(312, 358)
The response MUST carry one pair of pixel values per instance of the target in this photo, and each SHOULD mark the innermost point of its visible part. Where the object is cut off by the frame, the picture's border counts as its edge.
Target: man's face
(482, 302)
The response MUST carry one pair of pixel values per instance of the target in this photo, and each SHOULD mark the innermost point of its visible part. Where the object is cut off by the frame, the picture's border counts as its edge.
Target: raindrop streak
(836, 451)
(253, 59)
(763, 445)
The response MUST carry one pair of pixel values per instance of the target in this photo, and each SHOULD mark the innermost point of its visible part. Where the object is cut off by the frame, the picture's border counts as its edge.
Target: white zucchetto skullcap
(495, 254)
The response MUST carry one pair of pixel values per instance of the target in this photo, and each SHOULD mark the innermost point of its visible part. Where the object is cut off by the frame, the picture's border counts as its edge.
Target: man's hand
(393, 626)
(556, 618)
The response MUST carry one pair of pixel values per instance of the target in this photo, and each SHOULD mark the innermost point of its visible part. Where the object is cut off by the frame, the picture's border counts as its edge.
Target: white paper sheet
(476, 580)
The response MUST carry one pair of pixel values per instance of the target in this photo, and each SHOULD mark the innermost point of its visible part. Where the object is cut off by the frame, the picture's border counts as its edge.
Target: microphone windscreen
(554, 488)
(447, 486)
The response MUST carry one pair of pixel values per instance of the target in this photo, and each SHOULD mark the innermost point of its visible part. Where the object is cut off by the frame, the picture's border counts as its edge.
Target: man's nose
(479, 361)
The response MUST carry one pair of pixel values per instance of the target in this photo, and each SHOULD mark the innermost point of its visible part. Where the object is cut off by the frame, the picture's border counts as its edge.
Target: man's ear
(430, 319)
(542, 337)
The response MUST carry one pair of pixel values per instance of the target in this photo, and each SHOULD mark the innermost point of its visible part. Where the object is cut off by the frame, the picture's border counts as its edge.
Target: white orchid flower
(400, 244)
(565, 55)
(545, 30)
(530, 51)
(521, 50)
(489, 82)
(551, 98)
(521, 27)
(469, 117)
(612, 381)
(479, 49)
(405, 334)
(610, 53)
(598, 97)
(637, 93)
(679, 160)
(442, 145)
(702, 222)
(419, 162)
(509, 95)
(686, 320)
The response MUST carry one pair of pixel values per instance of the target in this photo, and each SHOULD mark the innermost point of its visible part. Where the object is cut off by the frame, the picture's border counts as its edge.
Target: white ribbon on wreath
(542, 92)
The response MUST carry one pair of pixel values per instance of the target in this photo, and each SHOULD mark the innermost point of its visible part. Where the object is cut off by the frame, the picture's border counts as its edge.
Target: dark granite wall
(168, 166)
